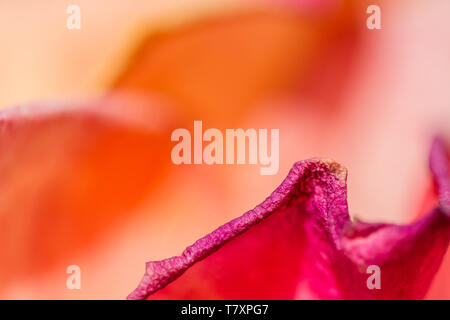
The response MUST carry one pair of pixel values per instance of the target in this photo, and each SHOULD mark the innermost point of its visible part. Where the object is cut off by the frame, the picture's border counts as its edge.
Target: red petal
(300, 243)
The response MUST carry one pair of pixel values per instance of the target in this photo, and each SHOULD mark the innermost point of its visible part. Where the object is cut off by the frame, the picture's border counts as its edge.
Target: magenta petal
(439, 163)
(300, 244)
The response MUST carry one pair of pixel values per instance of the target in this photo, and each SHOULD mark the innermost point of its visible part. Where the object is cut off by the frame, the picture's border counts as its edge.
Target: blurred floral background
(108, 198)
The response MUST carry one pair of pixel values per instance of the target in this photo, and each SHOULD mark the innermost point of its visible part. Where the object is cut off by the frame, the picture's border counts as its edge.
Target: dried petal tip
(335, 168)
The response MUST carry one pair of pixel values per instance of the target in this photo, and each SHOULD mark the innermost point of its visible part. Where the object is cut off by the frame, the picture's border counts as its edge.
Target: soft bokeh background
(370, 99)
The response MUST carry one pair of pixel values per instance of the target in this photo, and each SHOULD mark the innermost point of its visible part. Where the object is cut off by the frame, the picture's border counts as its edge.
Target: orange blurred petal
(69, 173)
(217, 67)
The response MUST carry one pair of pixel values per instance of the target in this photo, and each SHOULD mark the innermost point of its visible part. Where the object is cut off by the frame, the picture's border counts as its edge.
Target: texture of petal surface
(301, 244)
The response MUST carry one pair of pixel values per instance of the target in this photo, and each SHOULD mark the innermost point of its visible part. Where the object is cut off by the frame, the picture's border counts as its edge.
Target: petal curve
(300, 243)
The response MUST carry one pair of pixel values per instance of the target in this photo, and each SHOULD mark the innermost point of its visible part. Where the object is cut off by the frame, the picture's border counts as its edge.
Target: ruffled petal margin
(301, 244)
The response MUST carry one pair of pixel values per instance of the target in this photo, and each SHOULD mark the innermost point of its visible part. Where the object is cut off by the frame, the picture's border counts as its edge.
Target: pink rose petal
(301, 244)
